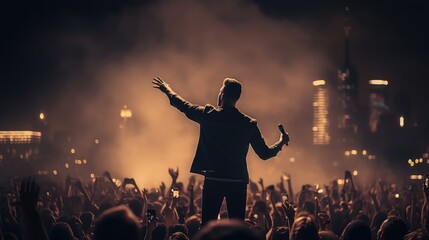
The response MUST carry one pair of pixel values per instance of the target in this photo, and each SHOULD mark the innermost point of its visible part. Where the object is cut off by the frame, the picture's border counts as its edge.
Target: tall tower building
(377, 102)
(321, 135)
(347, 90)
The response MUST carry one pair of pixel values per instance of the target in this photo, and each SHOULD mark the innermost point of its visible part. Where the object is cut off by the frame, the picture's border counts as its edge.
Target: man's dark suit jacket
(225, 134)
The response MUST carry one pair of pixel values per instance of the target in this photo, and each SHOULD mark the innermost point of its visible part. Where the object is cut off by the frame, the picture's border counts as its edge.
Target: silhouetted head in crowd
(160, 232)
(178, 236)
(87, 219)
(393, 228)
(226, 230)
(153, 196)
(340, 223)
(417, 235)
(117, 223)
(193, 224)
(178, 228)
(48, 219)
(75, 205)
(229, 93)
(309, 207)
(260, 206)
(280, 233)
(304, 228)
(377, 220)
(76, 226)
(104, 206)
(364, 218)
(136, 207)
(61, 231)
(327, 235)
(356, 230)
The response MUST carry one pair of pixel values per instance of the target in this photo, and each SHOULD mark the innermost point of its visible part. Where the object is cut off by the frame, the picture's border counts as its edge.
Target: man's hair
(231, 89)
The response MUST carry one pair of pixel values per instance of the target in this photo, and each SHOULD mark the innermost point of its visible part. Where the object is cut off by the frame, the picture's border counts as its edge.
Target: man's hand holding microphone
(284, 138)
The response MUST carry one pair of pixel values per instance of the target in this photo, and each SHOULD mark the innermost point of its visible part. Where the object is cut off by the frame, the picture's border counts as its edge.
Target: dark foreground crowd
(106, 209)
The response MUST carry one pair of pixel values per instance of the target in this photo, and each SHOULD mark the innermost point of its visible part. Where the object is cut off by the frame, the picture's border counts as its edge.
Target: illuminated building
(17, 147)
(377, 102)
(320, 114)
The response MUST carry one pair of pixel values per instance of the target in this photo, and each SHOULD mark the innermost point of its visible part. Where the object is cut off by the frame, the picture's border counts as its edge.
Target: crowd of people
(102, 209)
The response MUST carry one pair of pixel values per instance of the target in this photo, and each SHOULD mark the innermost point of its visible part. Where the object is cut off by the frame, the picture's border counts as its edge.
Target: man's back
(225, 134)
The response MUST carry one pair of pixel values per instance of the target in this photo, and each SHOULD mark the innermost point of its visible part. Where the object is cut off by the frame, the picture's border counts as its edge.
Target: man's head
(229, 93)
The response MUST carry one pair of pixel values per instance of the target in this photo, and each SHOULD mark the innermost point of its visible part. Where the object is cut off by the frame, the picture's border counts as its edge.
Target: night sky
(388, 41)
(80, 61)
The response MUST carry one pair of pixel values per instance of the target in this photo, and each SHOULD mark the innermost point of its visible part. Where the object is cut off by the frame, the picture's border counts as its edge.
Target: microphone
(282, 130)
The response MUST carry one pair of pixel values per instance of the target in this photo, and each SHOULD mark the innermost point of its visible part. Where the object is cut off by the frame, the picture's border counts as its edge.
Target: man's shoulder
(209, 108)
(248, 118)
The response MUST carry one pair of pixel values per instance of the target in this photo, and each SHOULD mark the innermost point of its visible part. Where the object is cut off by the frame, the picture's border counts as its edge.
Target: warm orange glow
(318, 82)
(355, 173)
(66, 165)
(416, 177)
(42, 116)
(126, 112)
(378, 82)
(55, 172)
(72, 151)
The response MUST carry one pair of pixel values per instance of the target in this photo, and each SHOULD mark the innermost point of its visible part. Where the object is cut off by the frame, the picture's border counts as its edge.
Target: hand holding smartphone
(176, 192)
(150, 215)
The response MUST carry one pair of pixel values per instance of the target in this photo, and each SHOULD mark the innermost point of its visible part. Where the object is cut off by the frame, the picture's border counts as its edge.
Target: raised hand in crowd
(174, 176)
(31, 223)
(289, 212)
(162, 189)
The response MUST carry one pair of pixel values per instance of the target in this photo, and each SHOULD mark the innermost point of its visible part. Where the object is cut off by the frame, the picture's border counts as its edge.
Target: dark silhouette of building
(347, 92)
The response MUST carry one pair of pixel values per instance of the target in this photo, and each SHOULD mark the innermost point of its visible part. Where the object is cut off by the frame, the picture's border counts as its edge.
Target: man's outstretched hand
(161, 85)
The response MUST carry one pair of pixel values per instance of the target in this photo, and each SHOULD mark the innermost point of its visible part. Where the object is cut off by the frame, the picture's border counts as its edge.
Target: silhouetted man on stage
(225, 134)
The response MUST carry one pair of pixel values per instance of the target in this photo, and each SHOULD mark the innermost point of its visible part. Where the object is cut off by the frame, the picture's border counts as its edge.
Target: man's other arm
(260, 147)
(192, 111)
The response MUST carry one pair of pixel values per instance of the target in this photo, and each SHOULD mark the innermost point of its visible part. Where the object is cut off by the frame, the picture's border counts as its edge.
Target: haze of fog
(193, 45)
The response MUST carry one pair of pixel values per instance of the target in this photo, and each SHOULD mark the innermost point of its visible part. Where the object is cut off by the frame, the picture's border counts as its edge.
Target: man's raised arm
(192, 111)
